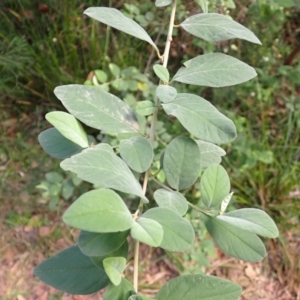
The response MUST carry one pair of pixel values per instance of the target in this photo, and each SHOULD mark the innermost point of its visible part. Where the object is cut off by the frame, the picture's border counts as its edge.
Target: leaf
(253, 220)
(95, 210)
(96, 108)
(235, 241)
(102, 167)
(214, 185)
(56, 145)
(201, 118)
(214, 70)
(101, 76)
(214, 27)
(199, 287)
(210, 153)
(114, 18)
(147, 231)
(181, 163)
(161, 72)
(145, 108)
(172, 200)
(178, 232)
(225, 202)
(101, 244)
(121, 292)
(54, 177)
(161, 3)
(72, 272)
(166, 93)
(137, 152)
(114, 69)
(69, 127)
(114, 267)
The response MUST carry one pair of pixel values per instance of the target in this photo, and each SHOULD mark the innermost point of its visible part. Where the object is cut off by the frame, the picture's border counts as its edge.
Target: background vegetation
(43, 45)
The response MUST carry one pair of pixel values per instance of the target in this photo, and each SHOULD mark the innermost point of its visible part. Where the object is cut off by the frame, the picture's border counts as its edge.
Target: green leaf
(181, 162)
(210, 153)
(120, 84)
(137, 152)
(253, 220)
(199, 287)
(161, 3)
(69, 127)
(214, 185)
(56, 145)
(99, 210)
(114, 69)
(161, 72)
(114, 18)
(214, 70)
(139, 297)
(147, 231)
(54, 177)
(201, 118)
(67, 189)
(101, 76)
(145, 108)
(235, 241)
(121, 292)
(214, 28)
(72, 272)
(101, 244)
(172, 200)
(166, 93)
(102, 167)
(178, 234)
(114, 267)
(96, 108)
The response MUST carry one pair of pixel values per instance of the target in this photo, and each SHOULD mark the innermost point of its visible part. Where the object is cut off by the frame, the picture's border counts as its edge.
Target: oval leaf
(199, 287)
(137, 152)
(95, 210)
(214, 27)
(178, 234)
(166, 93)
(181, 162)
(96, 108)
(69, 127)
(147, 231)
(253, 220)
(56, 145)
(145, 108)
(114, 267)
(102, 167)
(161, 72)
(201, 118)
(161, 3)
(234, 241)
(214, 70)
(100, 244)
(214, 185)
(114, 18)
(172, 200)
(122, 292)
(72, 272)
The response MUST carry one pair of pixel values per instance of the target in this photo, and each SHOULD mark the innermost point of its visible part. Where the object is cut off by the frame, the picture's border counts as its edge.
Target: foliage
(118, 206)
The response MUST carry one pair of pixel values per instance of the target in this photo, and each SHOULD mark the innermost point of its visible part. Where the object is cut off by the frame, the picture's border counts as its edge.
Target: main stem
(151, 137)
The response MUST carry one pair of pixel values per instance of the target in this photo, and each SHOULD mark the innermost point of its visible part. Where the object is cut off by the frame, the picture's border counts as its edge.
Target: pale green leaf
(114, 18)
(201, 118)
(96, 108)
(137, 152)
(114, 267)
(172, 200)
(102, 167)
(214, 27)
(214, 186)
(72, 272)
(214, 70)
(161, 72)
(235, 241)
(253, 220)
(166, 93)
(101, 76)
(69, 127)
(225, 202)
(95, 210)
(161, 3)
(56, 145)
(145, 108)
(199, 287)
(181, 162)
(121, 292)
(114, 69)
(178, 232)
(100, 244)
